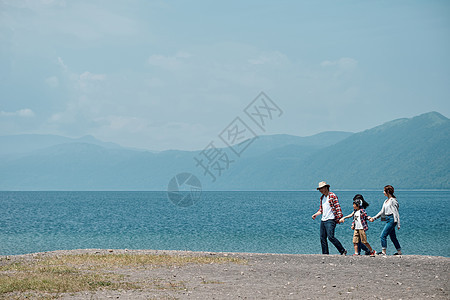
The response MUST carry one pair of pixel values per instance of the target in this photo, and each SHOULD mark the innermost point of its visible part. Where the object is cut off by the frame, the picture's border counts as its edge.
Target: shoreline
(295, 190)
(190, 252)
(232, 275)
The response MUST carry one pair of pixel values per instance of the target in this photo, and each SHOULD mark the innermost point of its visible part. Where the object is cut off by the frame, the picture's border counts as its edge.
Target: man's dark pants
(327, 231)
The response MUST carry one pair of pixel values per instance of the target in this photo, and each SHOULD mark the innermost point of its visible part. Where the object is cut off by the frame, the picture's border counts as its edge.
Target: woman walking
(389, 213)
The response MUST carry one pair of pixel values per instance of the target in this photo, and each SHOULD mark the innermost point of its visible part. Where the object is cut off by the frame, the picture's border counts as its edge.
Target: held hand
(341, 220)
(371, 219)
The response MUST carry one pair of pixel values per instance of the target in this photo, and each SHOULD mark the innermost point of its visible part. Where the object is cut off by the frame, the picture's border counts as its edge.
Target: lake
(264, 222)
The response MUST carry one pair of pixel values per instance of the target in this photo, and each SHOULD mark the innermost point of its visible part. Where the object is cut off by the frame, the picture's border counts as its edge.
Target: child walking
(359, 224)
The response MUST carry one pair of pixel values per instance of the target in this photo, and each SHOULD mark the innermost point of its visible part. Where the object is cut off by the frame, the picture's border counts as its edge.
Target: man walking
(331, 214)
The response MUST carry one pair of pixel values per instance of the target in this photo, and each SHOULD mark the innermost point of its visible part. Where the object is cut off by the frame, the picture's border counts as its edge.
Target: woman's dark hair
(359, 200)
(389, 189)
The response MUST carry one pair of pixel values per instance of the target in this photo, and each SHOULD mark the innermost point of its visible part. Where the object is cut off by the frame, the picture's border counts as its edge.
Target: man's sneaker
(396, 253)
(381, 253)
(372, 254)
(344, 252)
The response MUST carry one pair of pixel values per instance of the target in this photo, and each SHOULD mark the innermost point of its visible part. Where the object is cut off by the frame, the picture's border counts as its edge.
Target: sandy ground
(282, 276)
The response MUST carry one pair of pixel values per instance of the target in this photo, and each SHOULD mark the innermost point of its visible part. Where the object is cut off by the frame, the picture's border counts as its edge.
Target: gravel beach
(267, 276)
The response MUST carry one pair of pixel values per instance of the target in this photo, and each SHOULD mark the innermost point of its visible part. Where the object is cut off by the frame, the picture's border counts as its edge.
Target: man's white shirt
(327, 212)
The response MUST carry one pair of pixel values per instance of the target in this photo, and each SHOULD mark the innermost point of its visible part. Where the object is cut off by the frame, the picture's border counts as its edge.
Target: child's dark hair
(359, 200)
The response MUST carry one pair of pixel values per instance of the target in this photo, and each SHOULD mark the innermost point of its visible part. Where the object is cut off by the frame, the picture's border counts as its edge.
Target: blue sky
(173, 74)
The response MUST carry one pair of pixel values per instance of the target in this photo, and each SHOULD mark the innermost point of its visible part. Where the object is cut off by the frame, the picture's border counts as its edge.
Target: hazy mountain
(267, 143)
(407, 153)
(23, 143)
(76, 164)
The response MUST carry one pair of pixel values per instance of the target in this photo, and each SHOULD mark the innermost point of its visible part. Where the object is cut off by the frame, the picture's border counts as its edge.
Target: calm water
(277, 222)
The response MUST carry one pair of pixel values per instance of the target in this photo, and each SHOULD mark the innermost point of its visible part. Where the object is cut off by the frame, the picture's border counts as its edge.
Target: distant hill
(23, 143)
(266, 143)
(407, 153)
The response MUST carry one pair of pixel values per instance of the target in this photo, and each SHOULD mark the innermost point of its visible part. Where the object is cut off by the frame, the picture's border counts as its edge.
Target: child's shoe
(356, 254)
(372, 254)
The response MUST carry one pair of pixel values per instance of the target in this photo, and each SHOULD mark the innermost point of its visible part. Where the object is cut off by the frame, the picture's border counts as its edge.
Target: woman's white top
(390, 207)
(388, 210)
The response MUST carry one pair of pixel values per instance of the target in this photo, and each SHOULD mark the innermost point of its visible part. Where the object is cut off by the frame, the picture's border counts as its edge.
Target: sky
(174, 74)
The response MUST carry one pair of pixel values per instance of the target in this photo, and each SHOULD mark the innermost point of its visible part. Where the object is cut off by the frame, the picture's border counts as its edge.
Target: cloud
(79, 81)
(129, 124)
(83, 100)
(161, 135)
(168, 62)
(50, 17)
(52, 81)
(210, 71)
(344, 63)
(272, 58)
(62, 64)
(90, 76)
(25, 113)
(33, 4)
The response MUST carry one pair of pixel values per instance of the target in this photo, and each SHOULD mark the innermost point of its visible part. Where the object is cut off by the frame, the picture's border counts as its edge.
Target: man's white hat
(323, 184)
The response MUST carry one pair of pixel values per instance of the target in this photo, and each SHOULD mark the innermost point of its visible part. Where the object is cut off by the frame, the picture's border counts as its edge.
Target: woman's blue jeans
(327, 231)
(389, 230)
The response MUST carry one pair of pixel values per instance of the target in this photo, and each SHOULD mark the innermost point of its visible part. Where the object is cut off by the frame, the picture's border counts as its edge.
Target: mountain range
(408, 153)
